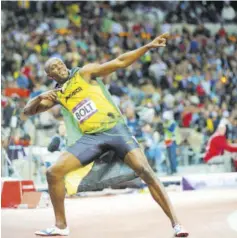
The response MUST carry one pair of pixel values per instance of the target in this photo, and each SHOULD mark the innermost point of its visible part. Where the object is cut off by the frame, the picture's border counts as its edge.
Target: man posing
(102, 126)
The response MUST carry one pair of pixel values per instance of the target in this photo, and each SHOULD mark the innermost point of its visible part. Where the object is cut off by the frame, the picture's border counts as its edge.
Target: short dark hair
(49, 62)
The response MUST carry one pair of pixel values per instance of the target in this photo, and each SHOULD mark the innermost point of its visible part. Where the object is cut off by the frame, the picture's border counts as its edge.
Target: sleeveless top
(91, 105)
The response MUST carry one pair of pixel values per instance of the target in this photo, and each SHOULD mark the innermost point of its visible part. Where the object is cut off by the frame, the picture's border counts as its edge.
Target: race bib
(84, 110)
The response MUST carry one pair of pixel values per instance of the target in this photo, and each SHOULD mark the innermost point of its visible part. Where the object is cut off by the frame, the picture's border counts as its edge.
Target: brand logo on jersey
(73, 93)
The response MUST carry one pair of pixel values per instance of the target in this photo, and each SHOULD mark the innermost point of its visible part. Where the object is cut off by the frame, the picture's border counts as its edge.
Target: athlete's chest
(75, 91)
(81, 99)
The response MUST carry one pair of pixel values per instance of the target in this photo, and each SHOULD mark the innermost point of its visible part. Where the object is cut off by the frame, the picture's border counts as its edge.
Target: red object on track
(12, 192)
(28, 186)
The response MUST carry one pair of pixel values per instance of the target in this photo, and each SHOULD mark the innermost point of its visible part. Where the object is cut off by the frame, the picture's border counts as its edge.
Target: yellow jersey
(91, 105)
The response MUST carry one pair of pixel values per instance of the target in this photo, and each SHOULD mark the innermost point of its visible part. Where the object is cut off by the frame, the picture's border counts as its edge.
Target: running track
(206, 214)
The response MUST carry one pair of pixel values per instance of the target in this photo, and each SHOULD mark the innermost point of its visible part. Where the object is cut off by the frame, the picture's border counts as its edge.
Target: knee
(53, 174)
(146, 174)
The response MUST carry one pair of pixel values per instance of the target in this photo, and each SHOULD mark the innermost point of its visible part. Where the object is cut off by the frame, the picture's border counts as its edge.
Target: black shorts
(91, 146)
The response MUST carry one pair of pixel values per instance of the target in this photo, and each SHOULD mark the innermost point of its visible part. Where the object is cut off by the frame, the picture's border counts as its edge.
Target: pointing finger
(165, 35)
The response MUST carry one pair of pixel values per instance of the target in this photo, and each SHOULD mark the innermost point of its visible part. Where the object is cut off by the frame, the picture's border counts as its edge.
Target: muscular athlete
(102, 126)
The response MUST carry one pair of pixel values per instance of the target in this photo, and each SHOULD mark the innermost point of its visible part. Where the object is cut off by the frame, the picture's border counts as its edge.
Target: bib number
(84, 110)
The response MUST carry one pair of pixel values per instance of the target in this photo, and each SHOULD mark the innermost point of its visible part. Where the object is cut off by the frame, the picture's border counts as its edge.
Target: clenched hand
(50, 95)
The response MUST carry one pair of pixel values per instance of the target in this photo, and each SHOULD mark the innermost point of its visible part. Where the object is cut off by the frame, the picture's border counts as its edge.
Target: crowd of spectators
(195, 76)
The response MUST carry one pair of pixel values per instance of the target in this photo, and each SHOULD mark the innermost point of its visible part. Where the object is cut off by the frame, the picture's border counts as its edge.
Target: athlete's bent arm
(123, 61)
(41, 103)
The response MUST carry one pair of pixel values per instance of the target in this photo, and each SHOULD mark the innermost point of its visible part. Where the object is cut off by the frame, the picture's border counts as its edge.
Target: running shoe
(179, 231)
(53, 231)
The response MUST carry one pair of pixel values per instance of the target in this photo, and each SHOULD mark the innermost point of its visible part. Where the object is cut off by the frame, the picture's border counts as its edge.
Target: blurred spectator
(157, 69)
(216, 147)
(234, 131)
(201, 31)
(171, 139)
(228, 13)
(8, 111)
(152, 147)
(58, 142)
(132, 121)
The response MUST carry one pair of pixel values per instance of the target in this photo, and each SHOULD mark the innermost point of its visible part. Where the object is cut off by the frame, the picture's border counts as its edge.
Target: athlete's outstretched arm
(123, 61)
(41, 103)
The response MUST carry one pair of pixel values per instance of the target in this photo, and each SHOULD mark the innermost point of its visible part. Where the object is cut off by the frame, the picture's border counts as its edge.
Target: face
(146, 128)
(58, 71)
(222, 130)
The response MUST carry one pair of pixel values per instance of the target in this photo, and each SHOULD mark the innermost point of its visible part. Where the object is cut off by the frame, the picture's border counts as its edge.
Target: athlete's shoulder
(86, 71)
(77, 71)
(73, 71)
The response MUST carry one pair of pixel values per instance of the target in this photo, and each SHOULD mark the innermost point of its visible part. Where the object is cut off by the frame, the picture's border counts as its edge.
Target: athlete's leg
(126, 146)
(138, 162)
(55, 177)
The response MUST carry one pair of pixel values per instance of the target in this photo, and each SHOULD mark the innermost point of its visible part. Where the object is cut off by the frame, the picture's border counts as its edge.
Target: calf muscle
(55, 174)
